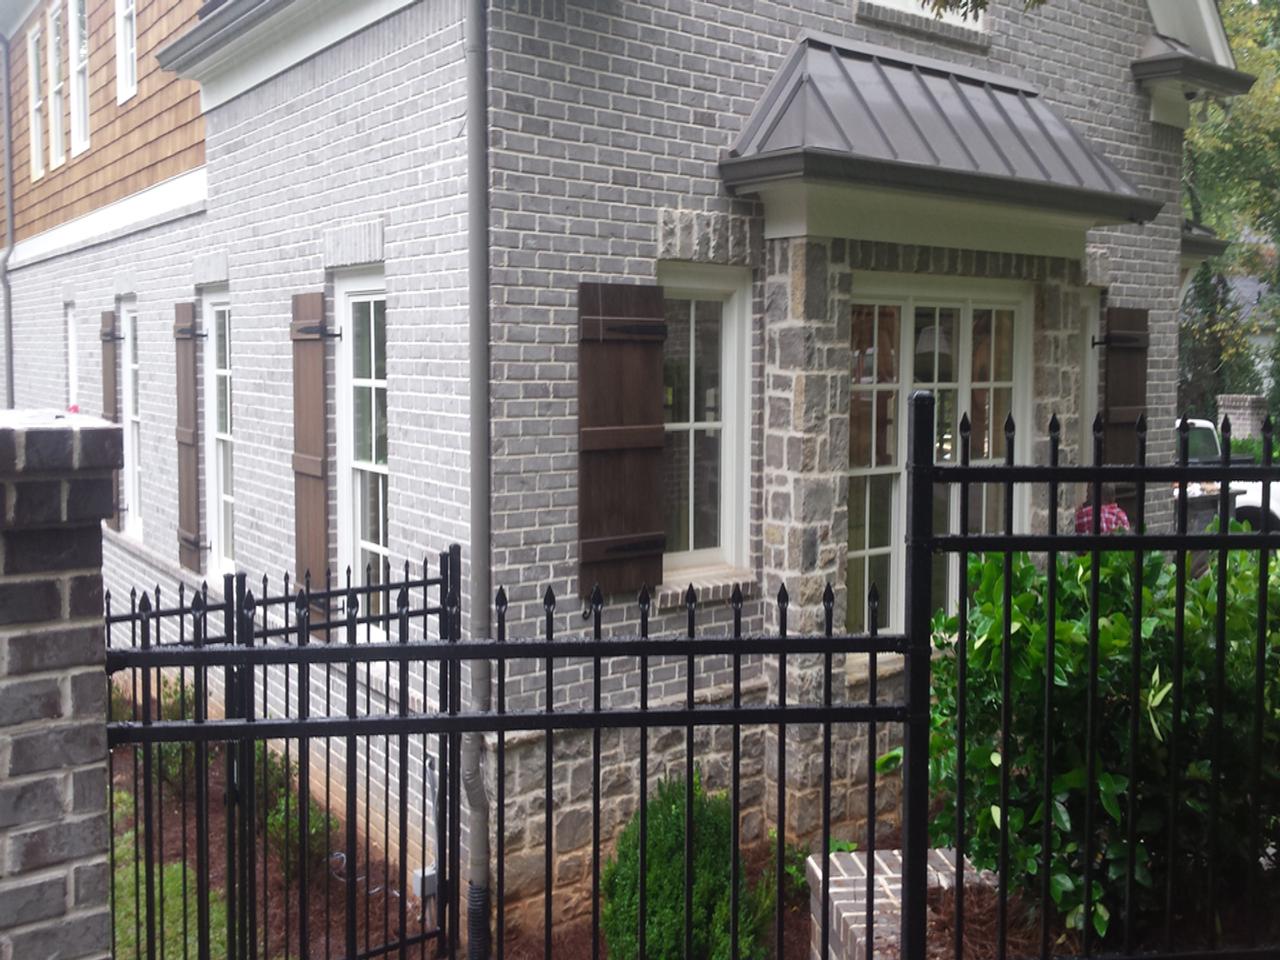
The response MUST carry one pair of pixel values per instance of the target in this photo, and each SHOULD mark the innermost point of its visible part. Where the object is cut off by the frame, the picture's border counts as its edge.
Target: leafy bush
(664, 904)
(1112, 712)
(278, 791)
(1249, 446)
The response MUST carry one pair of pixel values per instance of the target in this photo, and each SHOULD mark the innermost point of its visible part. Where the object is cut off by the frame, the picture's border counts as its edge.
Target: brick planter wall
(1247, 413)
(55, 489)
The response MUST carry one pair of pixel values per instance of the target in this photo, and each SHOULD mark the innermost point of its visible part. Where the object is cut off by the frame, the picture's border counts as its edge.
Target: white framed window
(35, 101)
(78, 21)
(706, 409)
(57, 89)
(360, 301)
(924, 9)
(73, 358)
(132, 423)
(219, 458)
(967, 343)
(126, 50)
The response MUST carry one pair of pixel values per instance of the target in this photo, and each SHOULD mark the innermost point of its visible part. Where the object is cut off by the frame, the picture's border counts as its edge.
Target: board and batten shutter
(310, 447)
(1128, 340)
(185, 335)
(110, 338)
(621, 535)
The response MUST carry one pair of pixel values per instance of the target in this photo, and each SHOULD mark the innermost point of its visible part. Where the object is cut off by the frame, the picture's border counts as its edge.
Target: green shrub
(278, 792)
(1113, 710)
(1248, 446)
(664, 905)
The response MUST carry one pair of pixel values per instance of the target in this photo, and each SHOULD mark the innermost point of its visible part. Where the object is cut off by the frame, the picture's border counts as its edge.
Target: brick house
(621, 293)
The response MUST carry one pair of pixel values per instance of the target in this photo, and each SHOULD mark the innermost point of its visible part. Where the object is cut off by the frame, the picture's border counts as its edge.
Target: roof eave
(1203, 248)
(745, 173)
(222, 27)
(1194, 72)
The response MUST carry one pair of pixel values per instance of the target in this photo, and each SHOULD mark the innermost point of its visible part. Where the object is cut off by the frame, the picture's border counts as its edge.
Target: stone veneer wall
(55, 489)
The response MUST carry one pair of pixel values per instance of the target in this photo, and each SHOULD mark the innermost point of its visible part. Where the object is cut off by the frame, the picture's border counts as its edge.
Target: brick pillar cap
(54, 441)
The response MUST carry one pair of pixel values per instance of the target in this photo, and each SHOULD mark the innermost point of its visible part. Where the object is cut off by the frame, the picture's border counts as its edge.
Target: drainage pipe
(477, 125)
(9, 392)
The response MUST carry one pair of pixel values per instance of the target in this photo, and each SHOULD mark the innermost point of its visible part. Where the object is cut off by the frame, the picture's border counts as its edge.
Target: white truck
(1204, 446)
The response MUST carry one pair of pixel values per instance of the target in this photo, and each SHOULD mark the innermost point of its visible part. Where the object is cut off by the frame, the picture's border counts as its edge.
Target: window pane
(228, 467)
(362, 421)
(857, 513)
(383, 483)
(222, 330)
(380, 396)
(948, 324)
(706, 489)
(360, 340)
(1004, 344)
(981, 346)
(945, 446)
(675, 362)
(369, 506)
(887, 346)
(228, 530)
(1001, 404)
(926, 344)
(980, 419)
(856, 587)
(380, 339)
(880, 511)
(886, 428)
(860, 405)
(878, 576)
(224, 404)
(706, 357)
(994, 520)
(675, 486)
(864, 342)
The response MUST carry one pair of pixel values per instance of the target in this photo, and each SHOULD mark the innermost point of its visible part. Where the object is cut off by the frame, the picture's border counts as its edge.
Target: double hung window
(57, 89)
(79, 61)
(126, 50)
(362, 450)
(132, 425)
(962, 349)
(219, 437)
(35, 101)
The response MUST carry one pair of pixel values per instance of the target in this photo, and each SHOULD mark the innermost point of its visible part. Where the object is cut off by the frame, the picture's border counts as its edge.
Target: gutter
(8, 227)
(477, 124)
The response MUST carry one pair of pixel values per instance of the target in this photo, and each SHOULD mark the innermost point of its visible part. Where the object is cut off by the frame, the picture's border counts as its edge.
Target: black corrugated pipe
(9, 393)
(477, 123)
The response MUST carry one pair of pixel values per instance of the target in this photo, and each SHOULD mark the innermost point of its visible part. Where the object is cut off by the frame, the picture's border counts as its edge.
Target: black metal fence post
(919, 615)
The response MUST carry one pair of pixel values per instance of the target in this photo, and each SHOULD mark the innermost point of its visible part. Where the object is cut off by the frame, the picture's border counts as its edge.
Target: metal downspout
(477, 125)
(8, 228)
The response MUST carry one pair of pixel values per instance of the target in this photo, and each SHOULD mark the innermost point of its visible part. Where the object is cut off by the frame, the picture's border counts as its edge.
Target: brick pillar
(1247, 412)
(55, 490)
(807, 373)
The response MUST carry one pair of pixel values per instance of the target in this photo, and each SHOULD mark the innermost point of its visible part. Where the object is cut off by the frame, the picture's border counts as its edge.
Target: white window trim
(212, 300)
(132, 481)
(126, 86)
(917, 7)
(348, 286)
(57, 89)
(731, 285)
(73, 359)
(908, 291)
(35, 103)
(78, 81)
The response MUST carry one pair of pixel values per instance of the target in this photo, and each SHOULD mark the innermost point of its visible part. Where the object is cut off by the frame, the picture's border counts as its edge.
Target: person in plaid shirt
(1112, 518)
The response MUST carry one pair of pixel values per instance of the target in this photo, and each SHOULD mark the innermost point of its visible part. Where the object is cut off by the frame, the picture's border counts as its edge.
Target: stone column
(807, 372)
(55, 490)
(1247, 413)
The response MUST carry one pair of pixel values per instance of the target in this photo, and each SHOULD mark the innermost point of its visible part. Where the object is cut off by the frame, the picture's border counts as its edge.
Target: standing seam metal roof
(861, 113)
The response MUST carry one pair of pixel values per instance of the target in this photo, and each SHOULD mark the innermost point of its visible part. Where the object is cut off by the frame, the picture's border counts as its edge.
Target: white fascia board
(177, 197)
(14, 13)
(296, 32)
(1196, 23)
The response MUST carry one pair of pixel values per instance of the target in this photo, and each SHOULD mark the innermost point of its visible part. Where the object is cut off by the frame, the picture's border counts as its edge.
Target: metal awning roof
(857, 113)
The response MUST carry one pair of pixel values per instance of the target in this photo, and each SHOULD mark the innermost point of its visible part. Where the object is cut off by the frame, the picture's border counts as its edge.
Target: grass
(130, 909)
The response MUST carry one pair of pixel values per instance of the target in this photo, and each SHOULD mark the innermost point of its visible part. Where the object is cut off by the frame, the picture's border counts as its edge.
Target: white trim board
(296, 32)
(177, 197)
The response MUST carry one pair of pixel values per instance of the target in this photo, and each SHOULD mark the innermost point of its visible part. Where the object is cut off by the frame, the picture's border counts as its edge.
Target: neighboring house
(346, 339)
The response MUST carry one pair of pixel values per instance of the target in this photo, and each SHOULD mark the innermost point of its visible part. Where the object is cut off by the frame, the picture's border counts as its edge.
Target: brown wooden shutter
(621, 537)
(1125, 396)
(310, 447)
(110, 338)
(188, 435)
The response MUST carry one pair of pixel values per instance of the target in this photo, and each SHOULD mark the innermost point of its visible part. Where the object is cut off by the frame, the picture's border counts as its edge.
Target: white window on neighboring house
(73, 359)
(965, 345)
(126, 50)
(78, 17)
(924, 8)
(705, 406)
(361, 308)
(35, 98)
(219, 437)
(57, 89)
(132, 424)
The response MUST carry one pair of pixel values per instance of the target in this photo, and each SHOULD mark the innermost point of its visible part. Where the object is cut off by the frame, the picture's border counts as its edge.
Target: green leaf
(1060, 884)
(995, 758)
(1061, 818)
(995, 815)
(1101, 919)
(888, 762)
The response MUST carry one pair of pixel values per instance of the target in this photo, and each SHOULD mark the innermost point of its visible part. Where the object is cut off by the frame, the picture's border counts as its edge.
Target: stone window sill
(873, 14)
(711, 584)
